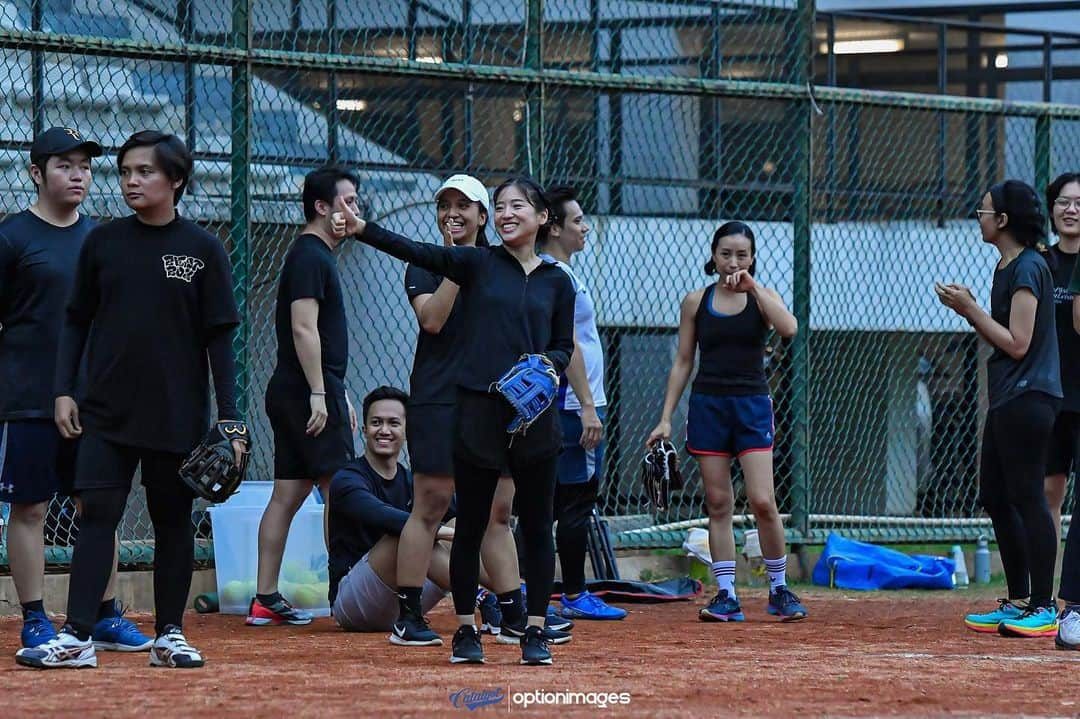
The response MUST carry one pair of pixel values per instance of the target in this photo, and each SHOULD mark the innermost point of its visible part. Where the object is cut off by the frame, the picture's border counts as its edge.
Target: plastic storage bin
(303, 581)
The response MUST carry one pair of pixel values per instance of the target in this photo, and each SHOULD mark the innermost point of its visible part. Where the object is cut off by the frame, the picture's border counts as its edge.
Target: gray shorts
(365, 604)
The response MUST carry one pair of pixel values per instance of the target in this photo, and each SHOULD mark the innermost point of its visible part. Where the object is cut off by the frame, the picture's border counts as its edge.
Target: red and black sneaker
(280, 612)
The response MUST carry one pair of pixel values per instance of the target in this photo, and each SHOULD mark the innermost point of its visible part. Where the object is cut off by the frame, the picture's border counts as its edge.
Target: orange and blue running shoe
(1034, 622)
(988, 623)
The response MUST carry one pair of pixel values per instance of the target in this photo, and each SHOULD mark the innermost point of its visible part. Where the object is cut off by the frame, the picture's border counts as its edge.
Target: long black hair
(1020, 204)
(727, 230)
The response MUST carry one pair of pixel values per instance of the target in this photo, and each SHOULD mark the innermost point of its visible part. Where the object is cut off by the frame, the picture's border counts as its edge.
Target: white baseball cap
(468, 186)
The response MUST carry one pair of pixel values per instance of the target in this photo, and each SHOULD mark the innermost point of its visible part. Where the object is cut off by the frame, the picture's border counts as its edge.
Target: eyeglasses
(979, 212)
(1064, 203)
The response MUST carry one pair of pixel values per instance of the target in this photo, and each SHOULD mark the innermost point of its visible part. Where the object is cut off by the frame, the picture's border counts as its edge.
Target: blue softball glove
(530, 386)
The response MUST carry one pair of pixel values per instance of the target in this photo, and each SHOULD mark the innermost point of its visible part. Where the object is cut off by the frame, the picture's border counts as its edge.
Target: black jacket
(506, 312)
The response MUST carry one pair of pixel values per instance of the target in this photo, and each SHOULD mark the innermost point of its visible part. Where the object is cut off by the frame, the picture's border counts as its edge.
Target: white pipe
(835, 519)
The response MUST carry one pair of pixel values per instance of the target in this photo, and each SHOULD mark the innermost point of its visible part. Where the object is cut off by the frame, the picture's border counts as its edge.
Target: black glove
(211, 469)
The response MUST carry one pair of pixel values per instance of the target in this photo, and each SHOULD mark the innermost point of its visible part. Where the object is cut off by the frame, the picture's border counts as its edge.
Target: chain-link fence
(671, 116)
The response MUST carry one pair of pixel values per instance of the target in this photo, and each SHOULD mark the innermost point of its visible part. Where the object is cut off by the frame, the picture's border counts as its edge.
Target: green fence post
(534, 60)
(801, 247)
(240, 207)
(1043, 163)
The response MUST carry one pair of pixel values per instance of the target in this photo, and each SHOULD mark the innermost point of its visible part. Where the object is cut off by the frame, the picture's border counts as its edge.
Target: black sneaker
(467, 649)
(413, 631)
(534, 647)
(514, 633)
(490, 613)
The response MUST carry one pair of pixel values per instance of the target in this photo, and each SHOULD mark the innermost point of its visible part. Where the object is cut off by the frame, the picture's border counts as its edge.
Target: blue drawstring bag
(848, 564)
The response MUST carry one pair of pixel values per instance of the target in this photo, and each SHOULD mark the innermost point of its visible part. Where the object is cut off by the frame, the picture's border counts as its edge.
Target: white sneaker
(171, 649)
(1068, 636)
(66, 650)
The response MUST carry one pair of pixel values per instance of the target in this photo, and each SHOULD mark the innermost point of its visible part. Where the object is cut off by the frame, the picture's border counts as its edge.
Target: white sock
(777, 571)
(467, 620)
(724, 572)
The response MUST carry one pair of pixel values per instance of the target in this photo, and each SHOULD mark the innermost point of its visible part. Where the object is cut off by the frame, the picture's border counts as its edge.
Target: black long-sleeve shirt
(147, 303)
(364, 506)
(507, 313)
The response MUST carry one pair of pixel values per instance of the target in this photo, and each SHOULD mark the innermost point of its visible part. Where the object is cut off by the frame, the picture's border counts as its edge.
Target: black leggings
(573, 511)
(1070, 563)
(1015, 441)
(103, 482)
(482, 451)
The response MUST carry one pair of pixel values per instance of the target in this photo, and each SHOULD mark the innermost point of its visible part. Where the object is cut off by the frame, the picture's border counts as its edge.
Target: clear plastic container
(303, 580)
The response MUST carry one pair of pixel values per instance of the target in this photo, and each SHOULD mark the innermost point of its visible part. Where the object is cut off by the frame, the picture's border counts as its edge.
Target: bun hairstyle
(1020, 204)
(727, 230)
(1053, 191)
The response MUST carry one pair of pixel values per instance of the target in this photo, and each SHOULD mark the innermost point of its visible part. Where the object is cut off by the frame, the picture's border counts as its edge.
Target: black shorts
(481, 439)
(298, 455)
(429, 430)
(1064, 443)
(35, 461)
(102, 464)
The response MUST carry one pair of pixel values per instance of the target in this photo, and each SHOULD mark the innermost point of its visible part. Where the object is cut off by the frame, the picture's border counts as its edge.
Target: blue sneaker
(988, 623)
(37, 629)
(588, 606)
(1034, 622)
(722, 608)
(556, 621)
(117, 634)
(785, 604)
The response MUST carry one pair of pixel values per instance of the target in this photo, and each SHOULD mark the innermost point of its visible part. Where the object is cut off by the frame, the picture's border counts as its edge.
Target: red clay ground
(858, 655)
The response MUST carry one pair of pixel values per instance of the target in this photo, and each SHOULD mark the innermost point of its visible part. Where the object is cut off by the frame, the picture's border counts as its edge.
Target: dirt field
(858, 655)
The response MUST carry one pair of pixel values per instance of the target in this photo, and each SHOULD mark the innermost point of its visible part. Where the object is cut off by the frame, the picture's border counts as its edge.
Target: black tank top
(732, 348)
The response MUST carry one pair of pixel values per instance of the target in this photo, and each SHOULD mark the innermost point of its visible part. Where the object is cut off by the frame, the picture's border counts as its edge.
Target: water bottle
(752, 555)
(982, 560)
(960, 574)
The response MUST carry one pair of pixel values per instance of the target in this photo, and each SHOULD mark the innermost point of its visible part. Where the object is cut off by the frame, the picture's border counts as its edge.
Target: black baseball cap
(57, 141)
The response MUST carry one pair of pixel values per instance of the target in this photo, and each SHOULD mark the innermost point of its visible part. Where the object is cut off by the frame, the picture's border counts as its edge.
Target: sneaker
(414, 631)
(722, 608)
(514, 633)
(1034, 622)
(589, 606)
(988, 623)
(1068, 633)
(37, 629)
(534, 647)
(490, 614)
(64, 650)
(171, 649)
(785, 604)
(117, 634)
(554, 620)
(466, 646)
(280, 612)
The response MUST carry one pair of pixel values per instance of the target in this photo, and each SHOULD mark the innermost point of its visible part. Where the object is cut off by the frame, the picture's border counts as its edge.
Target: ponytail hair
(1020, 204)
(728, 229)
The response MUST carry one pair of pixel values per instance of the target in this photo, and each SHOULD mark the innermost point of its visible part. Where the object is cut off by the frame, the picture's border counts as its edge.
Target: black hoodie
(506, 312)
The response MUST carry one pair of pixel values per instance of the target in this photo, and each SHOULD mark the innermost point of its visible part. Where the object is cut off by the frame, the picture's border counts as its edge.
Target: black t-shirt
(37, 269)
(1068, 339)
(435, 366)
(1040, 369)
(311, 273)
(152, 297)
